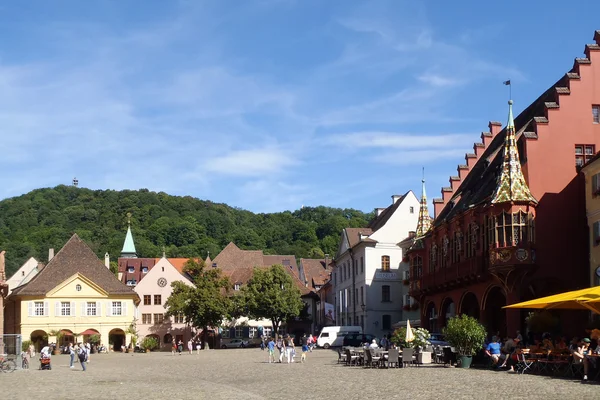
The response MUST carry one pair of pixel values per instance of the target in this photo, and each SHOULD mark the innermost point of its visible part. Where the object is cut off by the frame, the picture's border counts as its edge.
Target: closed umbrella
(409, 333)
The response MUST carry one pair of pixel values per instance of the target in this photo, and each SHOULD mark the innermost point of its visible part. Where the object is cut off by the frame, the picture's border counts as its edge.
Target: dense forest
(185, 226)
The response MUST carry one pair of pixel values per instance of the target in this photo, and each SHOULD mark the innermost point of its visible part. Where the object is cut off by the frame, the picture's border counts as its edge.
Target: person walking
(180, 346)
(198, 346)
(190, 346)
(88, 348)
(290, 350)
(271, 347)
(304, 348)
(82, 355)
(72, 354)
(173, 347)
(281, 348)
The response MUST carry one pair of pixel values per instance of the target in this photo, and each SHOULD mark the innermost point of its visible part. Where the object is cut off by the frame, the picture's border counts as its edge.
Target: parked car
(437, 339)
(235, 343)
(357, 339)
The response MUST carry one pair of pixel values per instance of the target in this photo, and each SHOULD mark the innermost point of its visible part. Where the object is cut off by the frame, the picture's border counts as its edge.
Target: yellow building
(591, 171)
(74, 297)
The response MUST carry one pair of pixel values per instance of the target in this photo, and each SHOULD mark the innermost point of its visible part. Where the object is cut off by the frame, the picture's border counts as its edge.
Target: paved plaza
(244, 374)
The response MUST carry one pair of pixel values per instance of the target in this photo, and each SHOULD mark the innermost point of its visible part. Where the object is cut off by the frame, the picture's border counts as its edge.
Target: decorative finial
(423, 178)
(129, 218)
(208, 254)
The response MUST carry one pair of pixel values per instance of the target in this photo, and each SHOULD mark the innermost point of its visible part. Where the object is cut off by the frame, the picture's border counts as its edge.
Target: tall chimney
(50, 254)
(107, 260)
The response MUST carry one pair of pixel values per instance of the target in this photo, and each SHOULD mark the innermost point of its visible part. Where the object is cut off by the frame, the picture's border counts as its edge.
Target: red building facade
(512, 226)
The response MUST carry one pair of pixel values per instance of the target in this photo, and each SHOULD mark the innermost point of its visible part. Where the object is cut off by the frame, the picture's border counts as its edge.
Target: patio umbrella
(409, 333)
(583, 299)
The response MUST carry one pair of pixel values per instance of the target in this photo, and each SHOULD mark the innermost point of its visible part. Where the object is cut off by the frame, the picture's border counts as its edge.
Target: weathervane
(129, 219)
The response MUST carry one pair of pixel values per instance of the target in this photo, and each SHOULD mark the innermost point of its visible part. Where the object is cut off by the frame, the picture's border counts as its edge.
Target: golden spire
(424, 223)
(511, 184)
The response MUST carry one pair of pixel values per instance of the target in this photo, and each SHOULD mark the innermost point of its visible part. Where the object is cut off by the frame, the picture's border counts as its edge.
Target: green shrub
(466, 334)
(25, 345)
(150, 343)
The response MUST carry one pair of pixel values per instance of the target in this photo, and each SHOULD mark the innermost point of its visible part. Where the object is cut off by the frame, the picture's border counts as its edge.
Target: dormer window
(214, 265)
(144, 270)
(130, 270)
(131, 282)
(236, 286)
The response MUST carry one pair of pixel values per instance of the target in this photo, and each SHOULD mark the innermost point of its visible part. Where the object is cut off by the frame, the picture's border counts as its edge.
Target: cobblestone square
(245, 374)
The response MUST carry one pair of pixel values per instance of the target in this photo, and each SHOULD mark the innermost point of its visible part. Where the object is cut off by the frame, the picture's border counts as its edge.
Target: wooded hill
(187, 227)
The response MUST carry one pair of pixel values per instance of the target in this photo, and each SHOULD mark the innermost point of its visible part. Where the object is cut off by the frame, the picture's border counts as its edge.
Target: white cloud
(252, 162)
(438, 80)
(266, 195)
(390, 140)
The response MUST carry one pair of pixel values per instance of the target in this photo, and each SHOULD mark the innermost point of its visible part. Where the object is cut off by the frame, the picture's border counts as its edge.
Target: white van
(332, 336)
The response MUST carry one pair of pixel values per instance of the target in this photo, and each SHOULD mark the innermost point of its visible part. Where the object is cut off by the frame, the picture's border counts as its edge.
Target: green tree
(205, 304)
(272, 294)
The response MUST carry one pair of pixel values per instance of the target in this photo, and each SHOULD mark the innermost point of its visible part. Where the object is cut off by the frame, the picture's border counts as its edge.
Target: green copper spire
(128, 247)
(511, 185)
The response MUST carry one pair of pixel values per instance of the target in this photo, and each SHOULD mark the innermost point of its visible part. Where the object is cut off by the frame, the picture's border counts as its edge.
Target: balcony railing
(468, 269)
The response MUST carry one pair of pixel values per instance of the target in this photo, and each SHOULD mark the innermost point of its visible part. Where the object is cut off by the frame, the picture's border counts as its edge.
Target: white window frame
(236, 286)
(267, 330)
(252, 332)
(91, 308)
(225, 333)
(596, 114)
(39, 309)
(131, 270)
(65, 309)
(116, 306)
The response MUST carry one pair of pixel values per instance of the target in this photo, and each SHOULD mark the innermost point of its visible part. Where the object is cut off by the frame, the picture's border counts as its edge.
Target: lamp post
(364, 307)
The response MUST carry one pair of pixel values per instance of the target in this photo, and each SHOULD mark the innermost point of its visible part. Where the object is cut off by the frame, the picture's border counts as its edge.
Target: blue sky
(268, 105)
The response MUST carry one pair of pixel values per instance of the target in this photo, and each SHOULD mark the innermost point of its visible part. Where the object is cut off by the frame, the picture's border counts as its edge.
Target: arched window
(167, 338)
(385, 263)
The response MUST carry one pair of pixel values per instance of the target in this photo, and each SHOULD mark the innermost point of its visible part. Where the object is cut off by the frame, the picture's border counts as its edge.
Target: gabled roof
(386, 214)
(178, 262)
(354, 235)
(315, 271)
(75, 257)
(232, 257)
(479, 185)
(288, 262)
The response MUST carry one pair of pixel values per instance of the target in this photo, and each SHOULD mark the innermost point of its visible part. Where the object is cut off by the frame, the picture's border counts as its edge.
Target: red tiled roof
(353, 235)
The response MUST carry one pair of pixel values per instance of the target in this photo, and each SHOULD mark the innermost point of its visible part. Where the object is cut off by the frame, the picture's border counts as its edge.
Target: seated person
(373, 344)
(493, 350)
(579, 355)
(562, 344)
(508, 349)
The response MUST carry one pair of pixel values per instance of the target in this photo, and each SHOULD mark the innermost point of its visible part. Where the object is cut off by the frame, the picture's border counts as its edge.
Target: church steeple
(424, 223)
(128, 246)
(511, 185)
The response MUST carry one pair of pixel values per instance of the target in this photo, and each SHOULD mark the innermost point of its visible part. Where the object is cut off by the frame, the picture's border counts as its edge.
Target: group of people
(82, 350)
(177, 346)
(286, 348)
(582, 350)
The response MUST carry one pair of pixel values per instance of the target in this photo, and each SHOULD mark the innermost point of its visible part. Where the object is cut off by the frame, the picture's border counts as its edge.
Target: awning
(89, 332)
(583, 299)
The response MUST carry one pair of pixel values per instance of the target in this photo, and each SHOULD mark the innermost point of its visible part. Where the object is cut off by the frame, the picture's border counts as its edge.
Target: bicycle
(7, 365)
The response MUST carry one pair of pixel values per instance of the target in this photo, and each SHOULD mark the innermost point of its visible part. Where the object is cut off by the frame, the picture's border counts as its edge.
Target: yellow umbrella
(582, 299)
(409, 333)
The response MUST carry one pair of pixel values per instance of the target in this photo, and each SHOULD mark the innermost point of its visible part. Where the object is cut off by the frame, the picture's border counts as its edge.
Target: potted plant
(54, 336)
(149, 343)
(132, 330)
(467, 335)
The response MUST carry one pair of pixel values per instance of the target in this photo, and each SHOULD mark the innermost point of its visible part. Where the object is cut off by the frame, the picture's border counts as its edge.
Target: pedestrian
(190, 346)
(173, 347)
(271, 347)
(262, 343)
(180, 346)
(88, 348)
(304, 348)
(290, 350)
(281, 348)
(82, 355)
(198, 346)
(71, 354)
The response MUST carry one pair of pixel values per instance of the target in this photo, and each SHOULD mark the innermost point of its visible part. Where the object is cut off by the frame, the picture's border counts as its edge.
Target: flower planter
(464, 361)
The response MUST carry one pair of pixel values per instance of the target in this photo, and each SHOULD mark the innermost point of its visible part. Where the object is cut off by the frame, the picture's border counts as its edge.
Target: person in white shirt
(373, 344)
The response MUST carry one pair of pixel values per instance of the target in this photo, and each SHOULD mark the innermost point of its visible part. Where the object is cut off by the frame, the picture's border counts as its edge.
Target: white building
(368, 277)
(25, 273)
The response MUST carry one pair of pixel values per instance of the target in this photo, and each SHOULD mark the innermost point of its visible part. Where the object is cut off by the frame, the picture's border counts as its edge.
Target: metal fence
(10, 347)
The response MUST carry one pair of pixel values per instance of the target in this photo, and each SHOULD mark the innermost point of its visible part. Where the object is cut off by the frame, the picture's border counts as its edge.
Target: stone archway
(469, 305)
(495, 316)
(447, 311)
(432, 317)
(116, 339)
(39, 339)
